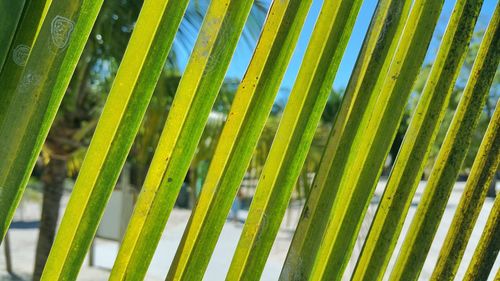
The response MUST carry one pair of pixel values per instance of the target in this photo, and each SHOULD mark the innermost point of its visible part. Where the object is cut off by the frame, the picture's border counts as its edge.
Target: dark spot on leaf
(306, 213)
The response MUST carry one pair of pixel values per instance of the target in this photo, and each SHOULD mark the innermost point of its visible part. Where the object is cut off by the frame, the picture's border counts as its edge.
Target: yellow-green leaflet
(27, 31)
(359, 99)
(415, 149)
(487, 249)
(373, 144)
(484, 167)
(127, 102)
(38, 95)
(294, 136)
(10, 14)
(193, 101)
(251, 106)
(450, 158)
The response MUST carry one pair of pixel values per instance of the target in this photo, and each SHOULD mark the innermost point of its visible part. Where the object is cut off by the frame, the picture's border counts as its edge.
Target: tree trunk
(53, 186)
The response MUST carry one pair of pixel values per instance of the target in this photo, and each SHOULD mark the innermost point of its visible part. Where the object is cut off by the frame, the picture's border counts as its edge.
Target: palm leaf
(55, 31)
(10, 14)
(251, 106)
(487, 248)
(295, 133)
(359, 100)
(372, 144)
(195, 96)
(127, 102)
(28, 29)
(451, 156)
(482, 173)
(415, 149)
(38, 95)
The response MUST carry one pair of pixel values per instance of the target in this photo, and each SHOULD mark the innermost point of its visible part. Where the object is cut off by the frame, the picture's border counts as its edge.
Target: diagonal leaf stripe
(195, 96)
(487, 249)
(373, 144)
(415, 149)
(251, 106)
(127, 102)
(359, 99)
(450, 158)
(10, 14)
(294, 136)
(38, 95)
(28, 29)
(484, 167)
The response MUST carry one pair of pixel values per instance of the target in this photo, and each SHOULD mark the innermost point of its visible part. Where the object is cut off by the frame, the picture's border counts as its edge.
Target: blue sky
(243, 52)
